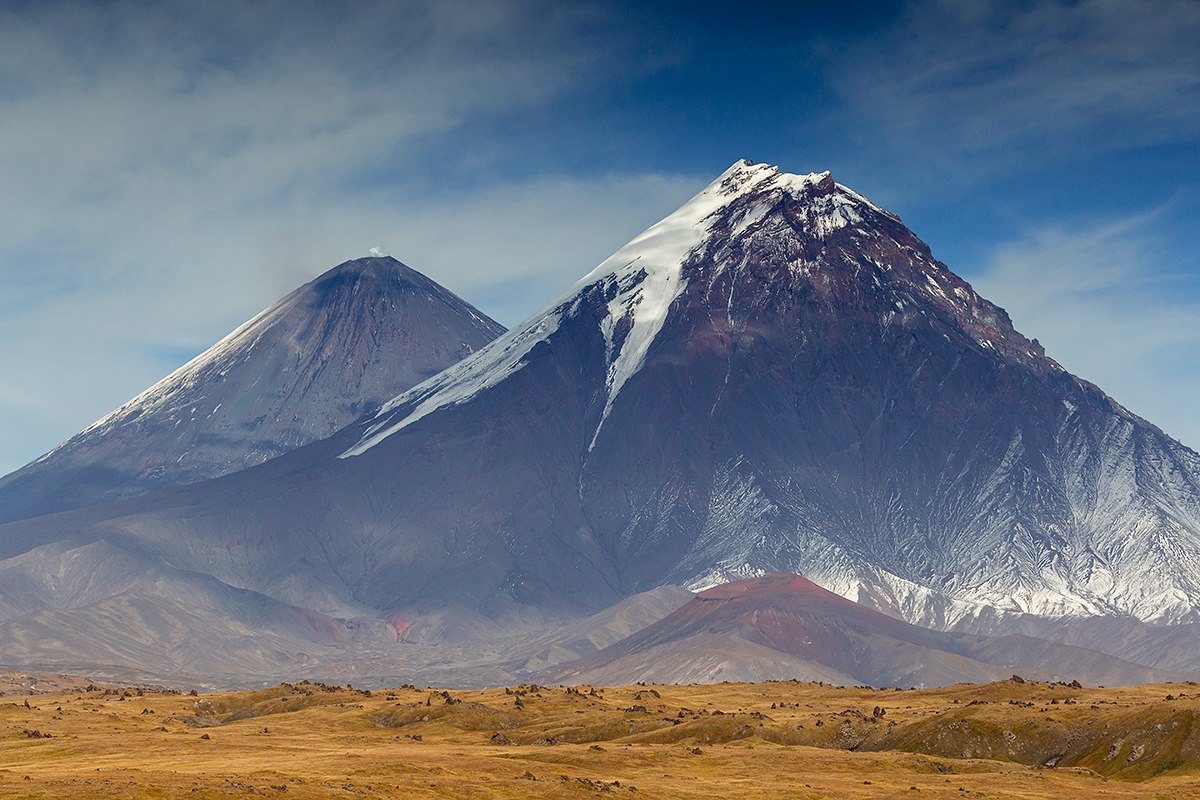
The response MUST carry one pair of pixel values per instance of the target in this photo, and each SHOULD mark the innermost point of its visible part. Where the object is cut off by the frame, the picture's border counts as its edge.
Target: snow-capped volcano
(778, 377)
(644, 278)
(318, 359)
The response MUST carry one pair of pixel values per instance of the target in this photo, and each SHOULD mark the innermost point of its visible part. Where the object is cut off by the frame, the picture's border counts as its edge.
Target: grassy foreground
(769, 740)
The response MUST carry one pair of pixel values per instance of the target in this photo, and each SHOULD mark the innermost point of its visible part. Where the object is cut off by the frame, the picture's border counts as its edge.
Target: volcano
(777, 377)
(323, 356)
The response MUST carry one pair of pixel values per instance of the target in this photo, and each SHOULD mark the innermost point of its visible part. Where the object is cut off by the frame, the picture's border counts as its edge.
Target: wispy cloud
(170, 168)
(978, 86)
(1107, 303)
(132, 137)
(510, 247)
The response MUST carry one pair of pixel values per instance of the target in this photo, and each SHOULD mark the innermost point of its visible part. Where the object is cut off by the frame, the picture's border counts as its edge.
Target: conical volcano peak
(758, 187)
(754, 249)
(379, 270)
(311, 363)
(778, 239)
(352, 288)
(370, 264)
(374, 258)
(745, 174)
(740, 201)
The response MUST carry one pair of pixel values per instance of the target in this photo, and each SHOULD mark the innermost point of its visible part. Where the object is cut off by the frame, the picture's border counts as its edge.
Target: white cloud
(1104, 301)
(964, 89)
(170, 168)
(510, 248)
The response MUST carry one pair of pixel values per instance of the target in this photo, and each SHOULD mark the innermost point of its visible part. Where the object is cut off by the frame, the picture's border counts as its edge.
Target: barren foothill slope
(784, 626)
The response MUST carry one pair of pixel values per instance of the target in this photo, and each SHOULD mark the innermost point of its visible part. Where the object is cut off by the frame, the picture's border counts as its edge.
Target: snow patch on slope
(658, 256)
(459, 383)
(645, 277)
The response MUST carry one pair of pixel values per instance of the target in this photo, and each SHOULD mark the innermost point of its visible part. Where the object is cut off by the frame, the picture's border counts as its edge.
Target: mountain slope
(317, 360)
(107, 607)
(777, 377)
(781, 376)
(783, 626)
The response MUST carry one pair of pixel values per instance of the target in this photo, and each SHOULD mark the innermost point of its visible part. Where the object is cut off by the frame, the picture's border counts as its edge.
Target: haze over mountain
(320, 358)
(777, 377)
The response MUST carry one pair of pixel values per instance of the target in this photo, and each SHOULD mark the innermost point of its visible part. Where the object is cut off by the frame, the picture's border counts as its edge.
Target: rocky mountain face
(320, 358)
(780, 376)
(783, 626)
(777, 377)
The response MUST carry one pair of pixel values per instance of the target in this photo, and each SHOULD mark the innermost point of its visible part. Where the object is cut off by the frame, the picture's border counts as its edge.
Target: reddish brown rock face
(784, 626)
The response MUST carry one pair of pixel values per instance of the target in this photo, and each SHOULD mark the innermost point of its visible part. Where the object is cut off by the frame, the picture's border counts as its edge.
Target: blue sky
(170, 169)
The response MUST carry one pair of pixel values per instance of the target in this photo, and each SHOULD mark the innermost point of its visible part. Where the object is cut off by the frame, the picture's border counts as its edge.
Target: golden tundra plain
(64, 738)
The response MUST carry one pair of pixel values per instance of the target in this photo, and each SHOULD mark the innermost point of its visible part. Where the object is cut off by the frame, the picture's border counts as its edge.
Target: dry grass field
(767, 740)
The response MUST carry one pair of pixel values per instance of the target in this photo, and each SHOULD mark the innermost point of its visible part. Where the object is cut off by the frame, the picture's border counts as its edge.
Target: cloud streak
(171, 168)
(977, 87)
